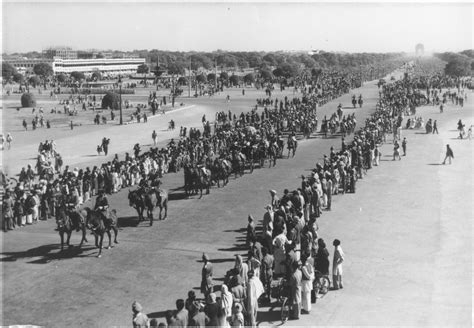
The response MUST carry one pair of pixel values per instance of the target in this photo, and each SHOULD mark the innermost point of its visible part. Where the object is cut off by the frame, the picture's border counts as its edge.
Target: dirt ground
(406, 233)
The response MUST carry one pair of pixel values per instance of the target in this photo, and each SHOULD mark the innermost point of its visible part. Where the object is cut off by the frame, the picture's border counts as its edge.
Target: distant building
(24, 65)
(419, 49)
(105, 65)
(60, 52)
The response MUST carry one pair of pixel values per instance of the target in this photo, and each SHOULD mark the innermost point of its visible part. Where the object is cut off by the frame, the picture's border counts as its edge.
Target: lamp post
(119, 82)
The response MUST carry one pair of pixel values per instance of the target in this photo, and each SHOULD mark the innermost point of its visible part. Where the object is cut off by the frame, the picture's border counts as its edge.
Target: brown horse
(99, 225)
(136, 200)
(156, 198)
(69, 221)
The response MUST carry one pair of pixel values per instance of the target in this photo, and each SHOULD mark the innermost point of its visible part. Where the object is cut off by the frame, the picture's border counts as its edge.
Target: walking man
(435, 127)
(449, 154)
(404, 146)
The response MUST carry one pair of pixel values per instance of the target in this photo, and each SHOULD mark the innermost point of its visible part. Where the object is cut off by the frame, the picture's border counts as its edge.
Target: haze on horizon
(349, 27)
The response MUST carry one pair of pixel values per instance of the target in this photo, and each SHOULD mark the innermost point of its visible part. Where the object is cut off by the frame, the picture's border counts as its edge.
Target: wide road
(406, 234)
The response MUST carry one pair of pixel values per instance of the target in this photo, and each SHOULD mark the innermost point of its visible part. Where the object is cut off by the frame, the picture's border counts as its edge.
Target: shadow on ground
(46, 254)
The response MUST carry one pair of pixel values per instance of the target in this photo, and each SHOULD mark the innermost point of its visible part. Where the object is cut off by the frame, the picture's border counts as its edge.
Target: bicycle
(280, 290)
(321, 283)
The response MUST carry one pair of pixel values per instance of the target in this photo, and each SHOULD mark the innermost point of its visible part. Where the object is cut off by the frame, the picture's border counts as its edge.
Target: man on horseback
(102, 206)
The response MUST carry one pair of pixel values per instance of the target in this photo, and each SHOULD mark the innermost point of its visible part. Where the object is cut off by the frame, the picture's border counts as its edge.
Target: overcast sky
(351, 27)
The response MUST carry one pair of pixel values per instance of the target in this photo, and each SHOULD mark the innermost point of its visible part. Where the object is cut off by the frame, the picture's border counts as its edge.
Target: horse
(95, 222)
(292, 145)
(238, 163)
(69, 221)
(156, 198)
(137, 201)
(221, 171)
(203, 179)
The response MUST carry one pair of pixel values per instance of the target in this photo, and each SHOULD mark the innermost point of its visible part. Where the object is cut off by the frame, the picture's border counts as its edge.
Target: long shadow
(157, 315)
(236, 248)
(94, 155)
(128, 221)
(46, 255)
(177, 196)
(241, 230)
(435, 164)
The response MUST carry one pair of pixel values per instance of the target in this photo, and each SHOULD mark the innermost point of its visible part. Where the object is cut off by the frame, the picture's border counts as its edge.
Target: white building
(103, 65)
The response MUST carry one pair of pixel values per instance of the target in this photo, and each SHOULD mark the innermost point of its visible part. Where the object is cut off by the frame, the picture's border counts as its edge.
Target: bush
(34, 81)
(96, 76)
(111, 100)
(78, 76)
(28, 100)
(18, 78)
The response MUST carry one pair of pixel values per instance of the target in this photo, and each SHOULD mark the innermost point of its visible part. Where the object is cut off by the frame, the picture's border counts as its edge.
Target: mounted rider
(102, 206)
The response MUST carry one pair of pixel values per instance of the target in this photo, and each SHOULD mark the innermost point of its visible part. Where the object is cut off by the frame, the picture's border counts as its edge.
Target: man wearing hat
(254, 291)
(9, 223)
(206, 275)
(102, 205)
(139, 319)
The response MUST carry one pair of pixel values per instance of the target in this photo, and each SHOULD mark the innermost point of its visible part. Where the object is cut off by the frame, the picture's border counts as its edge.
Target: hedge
(28, 100)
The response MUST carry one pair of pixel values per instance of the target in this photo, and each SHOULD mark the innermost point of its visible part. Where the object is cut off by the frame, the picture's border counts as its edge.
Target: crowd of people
(289, 246)
(236, 143)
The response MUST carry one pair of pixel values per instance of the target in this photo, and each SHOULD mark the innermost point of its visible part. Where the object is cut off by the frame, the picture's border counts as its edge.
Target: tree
(28, 100)
(201, 78)
(266, 75)
(286, 70)
(211, 77)
(176, 68)
(182, 81)
(43, 69)
(34, 81)
(111, 100)
(61, 77)
(96, 76)
(224, 76)
(18, 78)
(8, 71)
(234, 80)
(249, 78)
(458, 67)
(143, 69)
(78, 76)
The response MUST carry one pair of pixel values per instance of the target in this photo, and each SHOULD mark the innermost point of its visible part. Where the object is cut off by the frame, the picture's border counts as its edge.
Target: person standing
(449, 154)
(254, 291)
(306, 283)
(396, 151)
(153, 136)
(435, 127)
(72, 125)
(337, 265)
(182, 315)
(295, 291)
(9, 140)
(404, 146)
(139, 319)
(206, 276)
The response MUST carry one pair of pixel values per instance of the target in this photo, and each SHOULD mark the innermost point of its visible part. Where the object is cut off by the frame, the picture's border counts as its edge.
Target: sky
(271, 26)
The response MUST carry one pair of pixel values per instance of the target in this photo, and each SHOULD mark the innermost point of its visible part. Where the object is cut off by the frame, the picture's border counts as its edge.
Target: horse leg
(100, 244)
(83, 229)
(115, 234)
(110, 239)
(166, 209)
(150, 216)
(161, 208)
(68, 238)
(96, 240)
(61, 234)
